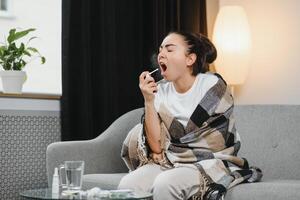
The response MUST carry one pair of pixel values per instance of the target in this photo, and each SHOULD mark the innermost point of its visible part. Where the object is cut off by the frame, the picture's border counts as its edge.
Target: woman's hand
(147, 86)
(157, 157)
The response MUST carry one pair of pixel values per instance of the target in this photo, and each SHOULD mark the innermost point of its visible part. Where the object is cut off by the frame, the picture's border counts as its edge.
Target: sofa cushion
(270, 139)
(266, 190)
(103, 181)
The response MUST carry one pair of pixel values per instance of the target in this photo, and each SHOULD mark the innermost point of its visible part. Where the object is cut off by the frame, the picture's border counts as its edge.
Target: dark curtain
(106, 44)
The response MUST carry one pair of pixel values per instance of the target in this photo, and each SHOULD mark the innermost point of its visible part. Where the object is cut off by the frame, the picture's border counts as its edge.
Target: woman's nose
(160, 55)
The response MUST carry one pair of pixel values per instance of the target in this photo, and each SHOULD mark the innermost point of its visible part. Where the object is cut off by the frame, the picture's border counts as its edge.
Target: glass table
(46, 193)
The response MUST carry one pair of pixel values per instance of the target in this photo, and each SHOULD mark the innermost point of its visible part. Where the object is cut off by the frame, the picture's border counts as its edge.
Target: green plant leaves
(43, 60)
(31, 39)
(32, 49)
(1, 51)
(12, 56)
(27, 53)
(13, 35)
(6, 66)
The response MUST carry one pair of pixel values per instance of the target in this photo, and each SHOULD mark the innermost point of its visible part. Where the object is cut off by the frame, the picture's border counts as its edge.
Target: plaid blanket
(209, 142)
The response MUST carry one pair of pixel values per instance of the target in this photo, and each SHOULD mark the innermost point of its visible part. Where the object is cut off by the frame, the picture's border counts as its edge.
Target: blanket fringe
(142, 152)
(203, 187)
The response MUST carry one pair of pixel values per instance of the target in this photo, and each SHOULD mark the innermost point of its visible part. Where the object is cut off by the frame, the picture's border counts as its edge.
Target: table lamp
(232, 39)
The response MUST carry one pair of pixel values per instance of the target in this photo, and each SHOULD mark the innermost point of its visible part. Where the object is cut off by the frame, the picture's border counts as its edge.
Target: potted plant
(13, 59)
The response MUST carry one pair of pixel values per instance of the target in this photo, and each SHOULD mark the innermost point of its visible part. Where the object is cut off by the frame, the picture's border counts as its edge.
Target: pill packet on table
(119, 194)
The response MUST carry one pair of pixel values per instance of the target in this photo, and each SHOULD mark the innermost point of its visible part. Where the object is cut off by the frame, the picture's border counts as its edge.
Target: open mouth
(163, 66)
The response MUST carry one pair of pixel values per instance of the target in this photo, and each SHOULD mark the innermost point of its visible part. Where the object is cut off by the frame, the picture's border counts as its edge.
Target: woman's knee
(162, 181)
(140, 179)
(166, 187)
(178, 183)
(128, 182)
(134, 182)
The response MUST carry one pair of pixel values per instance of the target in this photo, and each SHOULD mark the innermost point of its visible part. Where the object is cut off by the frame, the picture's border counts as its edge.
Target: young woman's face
(172, 58)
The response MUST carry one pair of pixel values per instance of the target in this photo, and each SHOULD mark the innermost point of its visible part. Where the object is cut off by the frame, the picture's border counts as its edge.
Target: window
(3, 5)
(5, 9)
(41, 79)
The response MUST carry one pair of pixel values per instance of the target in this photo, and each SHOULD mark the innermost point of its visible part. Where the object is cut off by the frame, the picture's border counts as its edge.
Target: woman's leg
(141, 179)
(177, 183)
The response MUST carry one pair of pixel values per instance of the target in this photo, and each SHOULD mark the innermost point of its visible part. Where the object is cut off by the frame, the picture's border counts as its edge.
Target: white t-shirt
(182, 105)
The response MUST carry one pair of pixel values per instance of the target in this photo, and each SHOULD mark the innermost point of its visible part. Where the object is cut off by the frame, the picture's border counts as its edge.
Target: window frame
(8, 12)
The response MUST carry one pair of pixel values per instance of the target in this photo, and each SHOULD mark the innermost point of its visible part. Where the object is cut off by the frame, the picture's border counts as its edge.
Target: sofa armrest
(97, 155)
(102, 154)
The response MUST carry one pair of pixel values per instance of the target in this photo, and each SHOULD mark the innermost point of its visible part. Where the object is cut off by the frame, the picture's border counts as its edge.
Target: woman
(187, 143)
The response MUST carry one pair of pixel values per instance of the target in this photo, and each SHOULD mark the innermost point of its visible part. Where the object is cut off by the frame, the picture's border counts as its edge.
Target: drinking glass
(73, 174)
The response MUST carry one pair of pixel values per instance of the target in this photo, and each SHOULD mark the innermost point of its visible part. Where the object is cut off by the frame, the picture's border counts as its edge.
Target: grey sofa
(270, 140)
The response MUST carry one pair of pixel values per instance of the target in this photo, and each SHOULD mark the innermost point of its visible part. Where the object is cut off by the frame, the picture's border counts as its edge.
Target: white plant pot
(12, 81)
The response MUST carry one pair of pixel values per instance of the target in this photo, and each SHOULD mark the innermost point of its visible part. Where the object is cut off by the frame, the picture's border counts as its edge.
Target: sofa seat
(103, 181)
(266, 190)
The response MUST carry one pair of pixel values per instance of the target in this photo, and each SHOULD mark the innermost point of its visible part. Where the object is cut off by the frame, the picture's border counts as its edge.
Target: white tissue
(98, 194)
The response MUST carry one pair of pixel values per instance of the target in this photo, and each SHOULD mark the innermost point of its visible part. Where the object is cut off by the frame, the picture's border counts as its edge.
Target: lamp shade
(232, 39)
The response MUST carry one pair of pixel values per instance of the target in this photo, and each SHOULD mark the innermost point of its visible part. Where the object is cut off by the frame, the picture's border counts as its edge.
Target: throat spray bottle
(55, 183)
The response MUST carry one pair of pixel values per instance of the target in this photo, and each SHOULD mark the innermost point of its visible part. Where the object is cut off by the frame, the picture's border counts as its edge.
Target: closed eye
(169, 47)
(168, 50)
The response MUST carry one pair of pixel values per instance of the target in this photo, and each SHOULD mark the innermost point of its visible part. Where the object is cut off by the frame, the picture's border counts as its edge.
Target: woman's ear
(191, 59)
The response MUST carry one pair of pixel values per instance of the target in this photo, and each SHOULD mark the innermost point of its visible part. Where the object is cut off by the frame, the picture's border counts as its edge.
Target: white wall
(275, 65)
(45, 16)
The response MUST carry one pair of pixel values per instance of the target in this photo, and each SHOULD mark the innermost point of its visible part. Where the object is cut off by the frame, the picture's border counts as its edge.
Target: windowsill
(31, 96)
(6, 15)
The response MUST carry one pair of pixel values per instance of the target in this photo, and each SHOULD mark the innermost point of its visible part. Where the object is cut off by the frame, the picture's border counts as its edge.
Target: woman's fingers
(157, 157)
(149, 79)
(152, 84)
(146, 78)
(147, 85)
(150, 89)
(143, 76)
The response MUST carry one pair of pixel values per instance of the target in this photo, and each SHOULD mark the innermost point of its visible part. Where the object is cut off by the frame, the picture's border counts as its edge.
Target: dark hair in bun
(204, 49)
